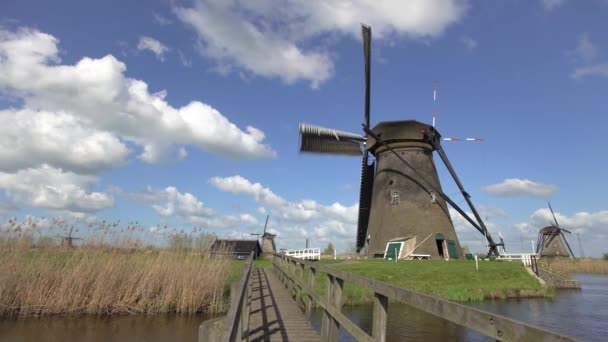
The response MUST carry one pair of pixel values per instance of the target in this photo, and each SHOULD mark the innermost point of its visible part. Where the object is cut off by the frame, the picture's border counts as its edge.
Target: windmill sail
(317, 139)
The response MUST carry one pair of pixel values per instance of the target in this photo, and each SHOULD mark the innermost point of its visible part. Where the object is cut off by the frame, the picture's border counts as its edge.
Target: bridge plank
(274, 314)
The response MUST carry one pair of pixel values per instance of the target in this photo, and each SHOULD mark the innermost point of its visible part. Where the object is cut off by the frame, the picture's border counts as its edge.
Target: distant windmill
(400, 194)
(268, 245)
(552, 241)
(67, 241)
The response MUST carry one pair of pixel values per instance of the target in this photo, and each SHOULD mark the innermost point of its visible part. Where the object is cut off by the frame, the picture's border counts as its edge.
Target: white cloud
(515, 187)
(156, 47)
(469, 43)
(585, 55)
(52, 188)
(294, 221)
(550, 5)
(161, 20)
(170, 202)
(302, 211)
(272, 38)
(104, 107)
(29, 138)
(591, 70)
(585, 50)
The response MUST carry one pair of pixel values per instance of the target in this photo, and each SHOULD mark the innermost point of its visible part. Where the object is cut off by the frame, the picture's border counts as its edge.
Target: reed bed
(102, 280)
(567, 266)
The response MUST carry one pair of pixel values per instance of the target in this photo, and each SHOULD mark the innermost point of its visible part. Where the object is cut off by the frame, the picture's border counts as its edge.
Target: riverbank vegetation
(454, 280)
(581, 265)
(98, 278)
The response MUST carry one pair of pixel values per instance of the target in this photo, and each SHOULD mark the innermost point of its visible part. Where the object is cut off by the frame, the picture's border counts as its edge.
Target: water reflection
(94, 329)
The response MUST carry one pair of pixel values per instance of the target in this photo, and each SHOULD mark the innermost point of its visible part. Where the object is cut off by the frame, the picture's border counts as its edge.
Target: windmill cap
(402, 130)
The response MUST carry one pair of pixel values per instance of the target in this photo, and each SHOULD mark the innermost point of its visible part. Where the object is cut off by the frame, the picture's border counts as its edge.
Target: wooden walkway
(274, 314)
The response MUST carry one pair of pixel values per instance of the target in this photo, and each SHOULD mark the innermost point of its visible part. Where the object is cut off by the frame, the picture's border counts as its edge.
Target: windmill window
(395, 198)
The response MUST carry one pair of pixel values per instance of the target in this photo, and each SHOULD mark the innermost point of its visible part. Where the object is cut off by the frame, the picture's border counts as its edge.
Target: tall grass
(567, 266)
(103, 279)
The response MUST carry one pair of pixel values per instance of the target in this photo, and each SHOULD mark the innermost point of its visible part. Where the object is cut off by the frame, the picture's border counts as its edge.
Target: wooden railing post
(326, 322)
(337, 289)
(380, 317)
(311, 288)
(245, 311)
(301, 279)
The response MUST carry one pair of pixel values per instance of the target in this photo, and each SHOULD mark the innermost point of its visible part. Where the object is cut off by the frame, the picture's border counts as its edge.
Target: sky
(183, 115)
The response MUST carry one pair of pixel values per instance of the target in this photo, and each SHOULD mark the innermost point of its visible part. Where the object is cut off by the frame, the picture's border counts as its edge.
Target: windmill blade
(317, 139)
(367, 171)
(567, 245)
(265, 225)
(365, 200)
(539, 243)
(565, 230)
(502, 242)
(552, 213)
(366, 31)
(551, 239)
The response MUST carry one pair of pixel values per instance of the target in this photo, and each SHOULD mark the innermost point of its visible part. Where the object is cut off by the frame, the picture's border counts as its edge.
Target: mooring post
(325, 324)
(380, 317)
(311, 288)
(334, 330)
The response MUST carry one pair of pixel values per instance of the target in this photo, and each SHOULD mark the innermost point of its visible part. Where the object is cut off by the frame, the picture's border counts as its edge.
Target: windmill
(268, 245)
(552, 241)
(67, 241)
(400, 193)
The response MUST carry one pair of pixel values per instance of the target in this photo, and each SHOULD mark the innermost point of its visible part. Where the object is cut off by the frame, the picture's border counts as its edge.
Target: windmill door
(452, 249)
(393, 250)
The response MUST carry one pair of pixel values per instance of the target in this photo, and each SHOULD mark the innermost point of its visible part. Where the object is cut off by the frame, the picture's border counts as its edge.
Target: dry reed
(567, 266)
(108, 280)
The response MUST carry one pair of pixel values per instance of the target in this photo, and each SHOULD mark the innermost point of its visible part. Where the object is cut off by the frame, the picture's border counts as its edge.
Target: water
(132, 328)
(579, 313)
(582, 314)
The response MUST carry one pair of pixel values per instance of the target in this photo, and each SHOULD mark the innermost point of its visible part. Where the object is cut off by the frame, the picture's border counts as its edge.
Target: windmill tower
(400, 194)
(268, 245)
(552, 241)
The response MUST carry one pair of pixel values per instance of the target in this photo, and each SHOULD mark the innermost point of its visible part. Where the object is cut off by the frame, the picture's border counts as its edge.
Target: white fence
(525, 258)
(306, 253)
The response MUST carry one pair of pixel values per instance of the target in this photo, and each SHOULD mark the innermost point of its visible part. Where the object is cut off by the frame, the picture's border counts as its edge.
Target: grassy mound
(454, 280)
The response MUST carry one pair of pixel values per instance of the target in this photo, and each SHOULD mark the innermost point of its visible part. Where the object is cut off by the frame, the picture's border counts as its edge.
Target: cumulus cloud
(103, 108)
(187, 207)
(295, 221)
(273, 38)
(52, 188)
(302, 211)
(29, 137)
(156, 47)
(515, 187)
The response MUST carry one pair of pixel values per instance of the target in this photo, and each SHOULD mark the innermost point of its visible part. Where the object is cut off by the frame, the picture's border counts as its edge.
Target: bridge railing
(233, 326)
(291, 272)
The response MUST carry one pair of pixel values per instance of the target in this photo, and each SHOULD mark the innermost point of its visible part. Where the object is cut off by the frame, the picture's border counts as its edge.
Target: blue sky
(186, 112)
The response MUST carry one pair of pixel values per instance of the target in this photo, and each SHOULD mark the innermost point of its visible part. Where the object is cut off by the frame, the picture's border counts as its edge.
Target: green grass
(454, 280)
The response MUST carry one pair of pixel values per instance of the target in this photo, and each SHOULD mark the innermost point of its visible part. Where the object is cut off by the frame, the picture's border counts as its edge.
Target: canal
(581, 314)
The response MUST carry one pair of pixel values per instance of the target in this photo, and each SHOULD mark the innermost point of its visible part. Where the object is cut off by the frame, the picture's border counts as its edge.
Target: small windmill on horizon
(552, 241)
(68, 241)
(268, 245)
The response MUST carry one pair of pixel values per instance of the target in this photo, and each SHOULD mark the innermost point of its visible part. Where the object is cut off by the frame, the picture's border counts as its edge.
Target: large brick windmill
(400, 196)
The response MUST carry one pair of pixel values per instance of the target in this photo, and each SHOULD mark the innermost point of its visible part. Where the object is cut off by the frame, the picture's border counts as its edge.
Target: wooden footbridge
(275, 304)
